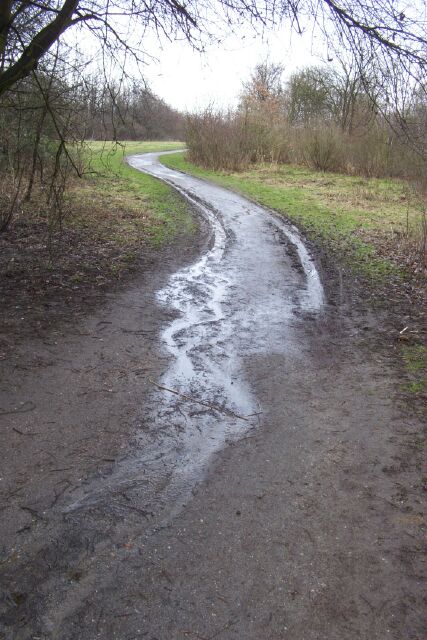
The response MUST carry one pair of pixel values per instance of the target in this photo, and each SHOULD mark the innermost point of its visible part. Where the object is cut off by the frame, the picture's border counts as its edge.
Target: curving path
(240, 300)
(216, 453)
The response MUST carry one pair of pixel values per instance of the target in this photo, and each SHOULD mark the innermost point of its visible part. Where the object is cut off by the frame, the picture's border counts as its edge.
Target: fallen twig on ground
(205, 404)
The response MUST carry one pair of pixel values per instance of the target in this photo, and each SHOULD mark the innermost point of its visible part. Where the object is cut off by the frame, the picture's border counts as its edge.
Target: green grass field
(370, 223)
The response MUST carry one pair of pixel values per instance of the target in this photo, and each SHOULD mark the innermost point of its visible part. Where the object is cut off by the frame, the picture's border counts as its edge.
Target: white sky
(188, 80)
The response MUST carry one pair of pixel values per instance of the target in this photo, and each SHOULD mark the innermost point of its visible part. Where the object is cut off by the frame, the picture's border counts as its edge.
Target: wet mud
(217, 452)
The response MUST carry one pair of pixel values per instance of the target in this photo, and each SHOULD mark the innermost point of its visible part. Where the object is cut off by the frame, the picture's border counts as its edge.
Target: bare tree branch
(38, 47)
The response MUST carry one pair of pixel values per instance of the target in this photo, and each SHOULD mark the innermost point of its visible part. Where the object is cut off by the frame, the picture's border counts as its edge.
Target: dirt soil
(307, 526)
(41, 287)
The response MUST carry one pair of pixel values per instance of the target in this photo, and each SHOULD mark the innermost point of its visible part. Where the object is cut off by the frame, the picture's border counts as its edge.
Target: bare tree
(264, 84)
(40, 128)
(29, 28)
(310, 95)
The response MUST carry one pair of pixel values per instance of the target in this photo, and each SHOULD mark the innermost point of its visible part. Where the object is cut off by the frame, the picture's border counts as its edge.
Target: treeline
(113, 112)
(333, 119)
(45, 121)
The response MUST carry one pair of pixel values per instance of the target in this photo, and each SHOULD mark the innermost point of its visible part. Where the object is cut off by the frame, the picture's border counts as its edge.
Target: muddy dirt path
(277, 496)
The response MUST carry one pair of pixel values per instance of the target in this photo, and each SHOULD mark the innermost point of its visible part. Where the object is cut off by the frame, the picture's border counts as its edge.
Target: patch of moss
(415, 387)
(415, 357)
(415, 360)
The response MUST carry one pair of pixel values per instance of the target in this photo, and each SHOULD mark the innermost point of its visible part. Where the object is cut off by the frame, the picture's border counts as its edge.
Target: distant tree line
(112, 112)
(343, 117)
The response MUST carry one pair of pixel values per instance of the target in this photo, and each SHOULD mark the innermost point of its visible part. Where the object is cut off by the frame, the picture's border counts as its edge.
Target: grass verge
(374, 227)
(372, 224)
(124, 209)
(113, 218)
(126, 206)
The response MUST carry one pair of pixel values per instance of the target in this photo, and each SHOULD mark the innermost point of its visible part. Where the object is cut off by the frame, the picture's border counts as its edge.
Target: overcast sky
(188, 80)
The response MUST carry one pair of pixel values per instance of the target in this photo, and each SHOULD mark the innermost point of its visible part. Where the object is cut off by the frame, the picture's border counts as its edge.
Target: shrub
(321, 148)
